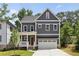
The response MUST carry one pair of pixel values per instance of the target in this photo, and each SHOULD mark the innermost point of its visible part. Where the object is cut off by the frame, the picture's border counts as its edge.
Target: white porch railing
(23, 44)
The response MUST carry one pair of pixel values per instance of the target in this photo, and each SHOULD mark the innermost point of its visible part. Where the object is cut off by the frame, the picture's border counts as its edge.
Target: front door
(31, 41)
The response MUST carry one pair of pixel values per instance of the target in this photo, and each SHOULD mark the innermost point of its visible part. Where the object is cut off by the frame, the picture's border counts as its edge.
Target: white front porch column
(35, 42)
(59, 35)
(27, 42)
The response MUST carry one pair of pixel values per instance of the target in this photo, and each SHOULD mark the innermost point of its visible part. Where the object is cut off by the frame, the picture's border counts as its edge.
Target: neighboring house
(5, 33)
(40, 31)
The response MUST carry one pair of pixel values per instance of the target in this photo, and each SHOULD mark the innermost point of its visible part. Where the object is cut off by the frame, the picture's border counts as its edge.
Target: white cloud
(58, 6)
(13, 11)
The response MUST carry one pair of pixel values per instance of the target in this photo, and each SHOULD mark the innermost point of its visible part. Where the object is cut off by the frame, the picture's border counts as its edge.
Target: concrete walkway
(50, 52)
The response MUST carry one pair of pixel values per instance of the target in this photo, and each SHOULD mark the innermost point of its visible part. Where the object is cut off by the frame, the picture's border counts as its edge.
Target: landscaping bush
(71, 47)
(77, 47)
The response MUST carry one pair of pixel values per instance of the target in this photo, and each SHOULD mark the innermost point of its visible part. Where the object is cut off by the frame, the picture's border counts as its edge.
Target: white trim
(47, 15)
(21, 27)
(30, 28)
(56, 27)
(48, 20)
(27, 42)
(26, 28)
(47, 34)
(39, 24)
(1, 38)
(28, 22)
(59, 36)
(0, 26)
(46, 27)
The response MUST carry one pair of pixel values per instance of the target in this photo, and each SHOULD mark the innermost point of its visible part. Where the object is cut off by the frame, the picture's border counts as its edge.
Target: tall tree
(66, 31)
(3, 12)
(29, 12)
(18, 25)
(21, 13)
(37, 14)
(77, 32)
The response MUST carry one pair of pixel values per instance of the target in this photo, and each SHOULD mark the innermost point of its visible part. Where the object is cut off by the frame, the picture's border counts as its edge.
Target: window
(55, 27)
(47, 15)
(24, 38)
(25, 28)
(39, 25)
(31, 28)
(0, 38)
(0, 26)
(47, 27)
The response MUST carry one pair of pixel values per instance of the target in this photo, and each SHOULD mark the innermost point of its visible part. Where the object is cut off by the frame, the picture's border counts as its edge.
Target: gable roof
(42, 16)
(29, 18)
(33, 18)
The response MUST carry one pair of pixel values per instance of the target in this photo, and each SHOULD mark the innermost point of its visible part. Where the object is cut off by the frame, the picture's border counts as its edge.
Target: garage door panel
(44, 43)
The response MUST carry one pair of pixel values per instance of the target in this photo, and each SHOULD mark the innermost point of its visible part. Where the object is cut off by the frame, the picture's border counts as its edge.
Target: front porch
(28, 40)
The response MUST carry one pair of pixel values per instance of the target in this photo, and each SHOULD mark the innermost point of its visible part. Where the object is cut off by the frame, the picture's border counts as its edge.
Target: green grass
(69, 51)
(16, 52)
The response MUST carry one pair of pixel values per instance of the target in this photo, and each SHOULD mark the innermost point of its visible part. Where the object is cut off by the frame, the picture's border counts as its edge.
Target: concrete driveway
(50, 52)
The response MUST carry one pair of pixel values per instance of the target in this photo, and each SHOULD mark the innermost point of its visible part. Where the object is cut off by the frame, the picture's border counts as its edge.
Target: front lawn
(69, 51)
(16, 52)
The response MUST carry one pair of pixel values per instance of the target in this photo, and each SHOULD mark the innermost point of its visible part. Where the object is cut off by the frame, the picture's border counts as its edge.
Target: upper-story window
(25, 28)
(0, 26)
(39, 25)
(47, 27)
(55, 27)
(47, 15)
(0, 38)
(31, 27)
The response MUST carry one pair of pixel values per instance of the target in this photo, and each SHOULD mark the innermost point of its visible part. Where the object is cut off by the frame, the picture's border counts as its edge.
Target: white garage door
(47, 43)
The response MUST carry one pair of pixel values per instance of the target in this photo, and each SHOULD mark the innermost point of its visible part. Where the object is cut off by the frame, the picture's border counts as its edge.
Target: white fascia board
(47, 20)
(47, 34)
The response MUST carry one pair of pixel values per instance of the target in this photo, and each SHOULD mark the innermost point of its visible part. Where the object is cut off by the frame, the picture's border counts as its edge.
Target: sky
(40, 7)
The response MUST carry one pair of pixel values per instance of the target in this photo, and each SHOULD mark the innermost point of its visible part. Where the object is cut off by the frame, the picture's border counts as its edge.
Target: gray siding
(43, 16)
(28, 26)
(42, 30)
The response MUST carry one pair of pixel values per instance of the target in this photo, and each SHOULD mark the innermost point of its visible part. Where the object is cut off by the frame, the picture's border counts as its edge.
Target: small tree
(14, 38)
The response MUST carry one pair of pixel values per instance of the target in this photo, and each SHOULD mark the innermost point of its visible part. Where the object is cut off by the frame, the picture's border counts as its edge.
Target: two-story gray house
(40, 31)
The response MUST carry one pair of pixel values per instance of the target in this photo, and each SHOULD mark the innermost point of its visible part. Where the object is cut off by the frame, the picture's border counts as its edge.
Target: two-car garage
(47, 43)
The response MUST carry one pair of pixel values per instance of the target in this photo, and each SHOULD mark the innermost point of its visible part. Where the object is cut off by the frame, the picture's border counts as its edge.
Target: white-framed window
(39, 25)
(0, 26)
(31, 27)
(55, 27)
(47, 27)
(24, 28)
(24, 38)
(47, 15)
(0, 38)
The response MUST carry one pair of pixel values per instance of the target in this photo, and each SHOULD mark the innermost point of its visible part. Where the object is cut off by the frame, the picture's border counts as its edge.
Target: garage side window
(39, 25)
(55, 27)
(0, 38)
(47, 27)
(24, 28)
